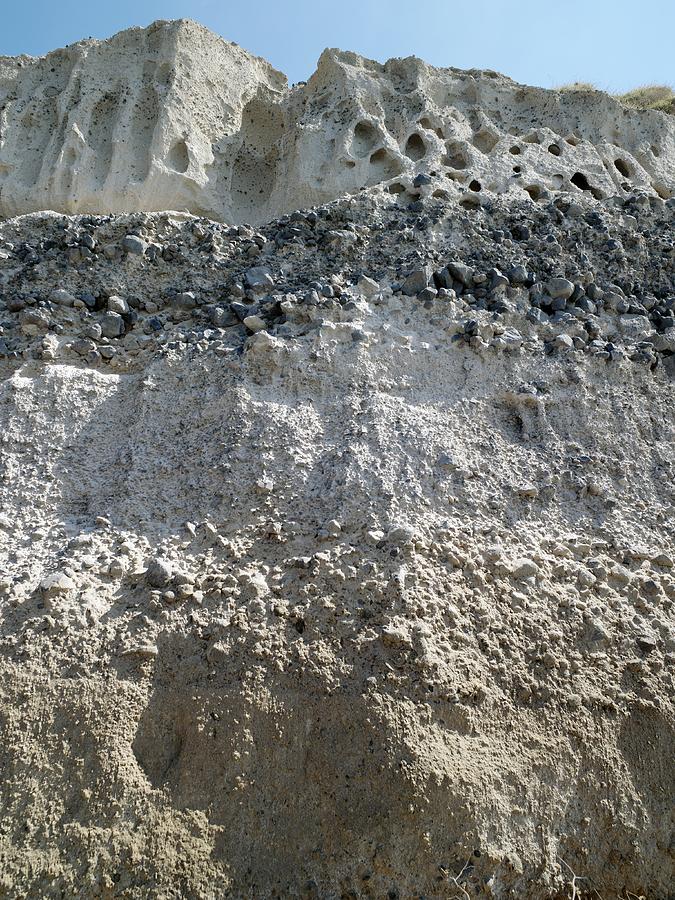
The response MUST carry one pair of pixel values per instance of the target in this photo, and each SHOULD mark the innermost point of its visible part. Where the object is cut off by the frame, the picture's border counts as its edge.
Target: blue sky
(615, 44)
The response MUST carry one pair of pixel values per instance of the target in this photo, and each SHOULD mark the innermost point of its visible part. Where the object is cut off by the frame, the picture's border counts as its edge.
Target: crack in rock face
(174, 117)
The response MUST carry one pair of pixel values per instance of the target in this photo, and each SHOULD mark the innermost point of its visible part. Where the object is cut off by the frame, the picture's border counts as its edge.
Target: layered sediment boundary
(337, 542)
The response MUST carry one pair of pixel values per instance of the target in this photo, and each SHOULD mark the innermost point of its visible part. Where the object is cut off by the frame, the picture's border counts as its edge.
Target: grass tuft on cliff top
(650, 96)
(653, 96)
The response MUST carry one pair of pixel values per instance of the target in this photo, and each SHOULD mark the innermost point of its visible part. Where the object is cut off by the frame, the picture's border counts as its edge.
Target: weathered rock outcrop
(337, 553)
(174, 117)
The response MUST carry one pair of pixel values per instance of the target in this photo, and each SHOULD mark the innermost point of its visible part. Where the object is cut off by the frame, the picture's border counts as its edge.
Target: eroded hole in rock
(459, 177)
(517, 170)
(470, 201)
(158, 745)
(364, 139)
(255, 166)
(655, 150)
(441, 194)
(573, 140)
(456, 157)
(533, 190)
(429, 125)
(554, 149)
(623, 167)
(485, 140)
(396, 188)
(145, 115)
(384, 165)
(415, 148)
(475, 185)
(662, 190)
(348, 163)
(515, 150)
(100, 135)
(579, 180)
(179, 157)
(532, 138)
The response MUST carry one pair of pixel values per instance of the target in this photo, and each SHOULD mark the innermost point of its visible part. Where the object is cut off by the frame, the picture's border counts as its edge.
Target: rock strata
(174, 117)
(337, 526)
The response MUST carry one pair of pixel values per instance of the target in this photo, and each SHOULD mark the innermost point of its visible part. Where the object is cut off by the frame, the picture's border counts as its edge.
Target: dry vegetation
(651, 97)
(654, 96)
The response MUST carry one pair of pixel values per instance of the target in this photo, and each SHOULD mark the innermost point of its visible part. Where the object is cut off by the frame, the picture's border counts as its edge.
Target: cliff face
(174, 117)
(337, 553)
(151, 119)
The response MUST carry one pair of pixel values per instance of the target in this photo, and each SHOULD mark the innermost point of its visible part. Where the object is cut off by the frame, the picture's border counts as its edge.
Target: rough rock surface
(337, 554)
(174, 117)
